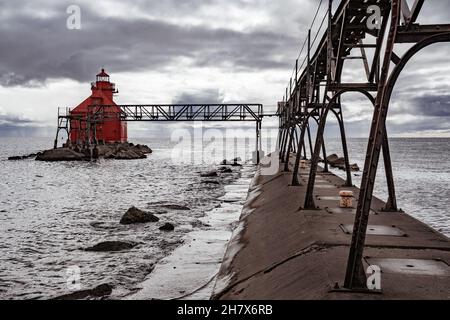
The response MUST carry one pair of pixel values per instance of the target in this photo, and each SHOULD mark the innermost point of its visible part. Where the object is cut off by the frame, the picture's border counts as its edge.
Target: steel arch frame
(355, 276)
(391, 204)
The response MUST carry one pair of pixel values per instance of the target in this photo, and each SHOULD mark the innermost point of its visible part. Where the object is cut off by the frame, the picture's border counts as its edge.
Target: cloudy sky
(190, 51)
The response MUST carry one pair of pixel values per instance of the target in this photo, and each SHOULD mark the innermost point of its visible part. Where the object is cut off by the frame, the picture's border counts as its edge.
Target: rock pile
(338, 162)
(118, 151)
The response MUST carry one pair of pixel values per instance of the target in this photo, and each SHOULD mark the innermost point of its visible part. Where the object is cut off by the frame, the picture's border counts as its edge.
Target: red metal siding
(109, 131)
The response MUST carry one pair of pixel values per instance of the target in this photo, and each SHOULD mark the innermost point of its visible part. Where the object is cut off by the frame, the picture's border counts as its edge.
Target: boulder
(98, 292)
(209, 174)
(354, 167)
(134, 215)
(339, 163)
(143, 148)
(332, 158)
(167, 227)
(60, 154)
(110, 246)
(225, 170)
(15, 158)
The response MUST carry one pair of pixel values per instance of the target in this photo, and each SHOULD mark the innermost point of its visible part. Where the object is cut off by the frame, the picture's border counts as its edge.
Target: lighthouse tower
(111, 130)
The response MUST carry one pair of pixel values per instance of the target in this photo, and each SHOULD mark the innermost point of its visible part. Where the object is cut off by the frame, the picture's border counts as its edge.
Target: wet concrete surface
(284, 252)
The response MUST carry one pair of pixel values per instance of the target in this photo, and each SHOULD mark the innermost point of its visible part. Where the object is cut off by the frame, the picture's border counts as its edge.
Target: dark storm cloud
(212, 96)
(34, 49)
(12, 119)
(432, 105)
(11, 130)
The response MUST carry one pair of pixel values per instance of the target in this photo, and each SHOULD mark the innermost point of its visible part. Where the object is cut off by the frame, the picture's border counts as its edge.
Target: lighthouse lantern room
(112, 129)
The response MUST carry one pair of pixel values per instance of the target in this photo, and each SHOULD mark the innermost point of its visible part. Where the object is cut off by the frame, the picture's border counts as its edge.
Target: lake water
(49, 212)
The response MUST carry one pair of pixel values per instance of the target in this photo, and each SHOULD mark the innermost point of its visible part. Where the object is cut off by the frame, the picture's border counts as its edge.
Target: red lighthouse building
(111, 130)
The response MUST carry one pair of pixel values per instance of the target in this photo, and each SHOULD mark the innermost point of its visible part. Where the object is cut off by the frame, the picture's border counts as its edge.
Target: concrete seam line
(266, 270)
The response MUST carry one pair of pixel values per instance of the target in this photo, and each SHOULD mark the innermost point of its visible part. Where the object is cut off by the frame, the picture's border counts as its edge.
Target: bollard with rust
(303, 164)
(346, 199)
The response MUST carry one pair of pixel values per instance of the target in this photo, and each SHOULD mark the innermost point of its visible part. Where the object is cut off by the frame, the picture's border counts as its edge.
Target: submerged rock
(60, 154)
(234, 162)
(200, 224)
(167, 227)
(15, 158)
(128, 155)
(134, 215)
(98, 292)
(225, 170)
(211, 182)
(176, 207)
(209, 174)
(109, 246)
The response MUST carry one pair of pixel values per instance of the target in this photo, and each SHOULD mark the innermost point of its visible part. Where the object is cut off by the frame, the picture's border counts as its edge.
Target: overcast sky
(190, 51)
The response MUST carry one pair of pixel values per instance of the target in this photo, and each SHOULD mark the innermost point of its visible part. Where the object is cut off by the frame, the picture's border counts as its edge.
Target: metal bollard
(303, 164)
(346, 199)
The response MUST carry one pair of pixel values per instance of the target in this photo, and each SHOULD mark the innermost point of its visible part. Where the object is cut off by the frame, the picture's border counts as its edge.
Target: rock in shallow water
(98, 292)
(211, 182)
(167, 227)
(134, 215)
(61, 154)
(143, 148)
(176, 207)
(127, 155)
(109, 246)
(15, 158)
(209, 174)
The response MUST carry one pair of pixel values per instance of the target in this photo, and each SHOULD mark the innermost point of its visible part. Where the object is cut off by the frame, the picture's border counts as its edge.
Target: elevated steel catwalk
(183, 112)
(318, 86)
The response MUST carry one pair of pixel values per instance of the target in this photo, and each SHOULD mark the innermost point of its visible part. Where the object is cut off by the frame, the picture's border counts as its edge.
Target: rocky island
(118, 151)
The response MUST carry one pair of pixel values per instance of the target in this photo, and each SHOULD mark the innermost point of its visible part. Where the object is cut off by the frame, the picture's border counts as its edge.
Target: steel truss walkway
(316, 89)
(99, 114)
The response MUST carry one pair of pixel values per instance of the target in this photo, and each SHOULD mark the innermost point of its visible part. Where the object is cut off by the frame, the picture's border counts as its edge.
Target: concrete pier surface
(280, 251)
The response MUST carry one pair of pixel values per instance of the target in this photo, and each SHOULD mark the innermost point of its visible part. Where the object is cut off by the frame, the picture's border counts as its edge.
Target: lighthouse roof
(103, 74)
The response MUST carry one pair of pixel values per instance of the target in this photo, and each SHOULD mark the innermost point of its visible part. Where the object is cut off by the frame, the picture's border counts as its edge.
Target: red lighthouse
(111, 130)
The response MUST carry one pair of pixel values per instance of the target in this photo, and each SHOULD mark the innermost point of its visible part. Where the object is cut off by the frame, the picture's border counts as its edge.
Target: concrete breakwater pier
(280, 251)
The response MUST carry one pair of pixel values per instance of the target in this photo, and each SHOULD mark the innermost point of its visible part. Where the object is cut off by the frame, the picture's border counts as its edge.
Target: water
(50, 211)
(421, 174)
